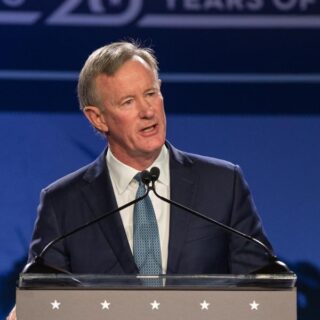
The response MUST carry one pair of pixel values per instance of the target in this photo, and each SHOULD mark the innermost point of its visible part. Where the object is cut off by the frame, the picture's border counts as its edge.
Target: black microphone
(146, 177)
(37, 265)
(275, 265)
(154, 174)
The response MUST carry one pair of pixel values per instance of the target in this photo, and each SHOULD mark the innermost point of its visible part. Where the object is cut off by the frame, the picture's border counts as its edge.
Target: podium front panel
(167, 302)
(155, 304)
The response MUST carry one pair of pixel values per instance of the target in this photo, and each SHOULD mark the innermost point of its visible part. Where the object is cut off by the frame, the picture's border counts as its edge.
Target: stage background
(240, 80)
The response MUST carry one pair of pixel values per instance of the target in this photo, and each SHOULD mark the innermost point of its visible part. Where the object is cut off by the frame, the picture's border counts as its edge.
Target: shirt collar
(121, 174)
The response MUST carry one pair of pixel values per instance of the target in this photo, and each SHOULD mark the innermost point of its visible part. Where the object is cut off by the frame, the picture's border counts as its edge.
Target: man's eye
(127, 102)
(151, 93)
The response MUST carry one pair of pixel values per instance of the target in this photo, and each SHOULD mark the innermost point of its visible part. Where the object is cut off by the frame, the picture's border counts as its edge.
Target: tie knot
(143, 178)
(137, 177)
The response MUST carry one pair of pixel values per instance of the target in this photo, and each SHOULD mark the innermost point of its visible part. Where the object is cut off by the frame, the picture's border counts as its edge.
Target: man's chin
(151, 150)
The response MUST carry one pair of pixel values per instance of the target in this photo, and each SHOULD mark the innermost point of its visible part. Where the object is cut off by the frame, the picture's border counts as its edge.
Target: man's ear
(96, 118)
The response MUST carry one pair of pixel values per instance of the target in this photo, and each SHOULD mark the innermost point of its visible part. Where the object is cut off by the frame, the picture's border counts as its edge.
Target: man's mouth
(149, 128)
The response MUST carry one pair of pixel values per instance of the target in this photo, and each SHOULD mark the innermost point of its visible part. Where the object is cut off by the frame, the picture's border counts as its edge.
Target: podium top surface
(175, 282)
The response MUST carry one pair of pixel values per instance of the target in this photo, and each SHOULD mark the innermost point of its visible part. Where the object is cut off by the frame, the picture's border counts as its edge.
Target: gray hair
(107, 60)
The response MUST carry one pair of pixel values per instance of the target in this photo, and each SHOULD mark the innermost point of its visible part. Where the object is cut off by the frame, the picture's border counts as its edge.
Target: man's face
(133, 112)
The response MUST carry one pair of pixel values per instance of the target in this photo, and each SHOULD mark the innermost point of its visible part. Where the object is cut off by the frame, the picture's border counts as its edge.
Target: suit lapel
(100, 196)
(182, 183)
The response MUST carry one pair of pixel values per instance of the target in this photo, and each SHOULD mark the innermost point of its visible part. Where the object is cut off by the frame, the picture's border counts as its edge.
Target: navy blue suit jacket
(213, 187)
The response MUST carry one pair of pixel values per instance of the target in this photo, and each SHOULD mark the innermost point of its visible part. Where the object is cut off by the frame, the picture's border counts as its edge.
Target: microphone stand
(37, 265)
(275, 265)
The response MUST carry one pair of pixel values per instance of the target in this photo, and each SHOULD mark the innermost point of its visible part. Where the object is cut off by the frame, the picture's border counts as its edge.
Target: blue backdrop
(241, 82)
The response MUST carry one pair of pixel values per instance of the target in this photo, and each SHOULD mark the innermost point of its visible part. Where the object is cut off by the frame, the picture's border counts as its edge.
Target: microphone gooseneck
(37, 265)
(275, 265)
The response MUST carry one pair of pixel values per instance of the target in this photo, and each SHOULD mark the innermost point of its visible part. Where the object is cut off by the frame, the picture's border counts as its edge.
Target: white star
(155, 305)
(204, 305)
(105, 305)
(254, 305)
(55, 305)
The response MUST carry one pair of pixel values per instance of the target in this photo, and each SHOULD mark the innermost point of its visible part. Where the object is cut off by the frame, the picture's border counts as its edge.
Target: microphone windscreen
(145, 177)
(155, 173)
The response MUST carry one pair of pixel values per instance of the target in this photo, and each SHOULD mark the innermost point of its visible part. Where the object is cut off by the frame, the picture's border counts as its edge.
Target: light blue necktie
(146, 243)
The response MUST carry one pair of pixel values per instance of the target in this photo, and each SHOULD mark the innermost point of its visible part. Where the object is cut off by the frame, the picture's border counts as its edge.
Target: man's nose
(146, 109)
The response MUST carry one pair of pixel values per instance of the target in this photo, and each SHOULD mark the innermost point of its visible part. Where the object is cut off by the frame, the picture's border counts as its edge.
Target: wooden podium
(95, 297)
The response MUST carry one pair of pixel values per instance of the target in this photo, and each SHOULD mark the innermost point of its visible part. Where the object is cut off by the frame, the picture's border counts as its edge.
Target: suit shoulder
(212, 163)
(77, 178)
(67, 181)
(203, 165)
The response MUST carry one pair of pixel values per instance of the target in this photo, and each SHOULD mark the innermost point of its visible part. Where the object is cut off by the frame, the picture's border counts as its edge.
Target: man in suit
(119, 92)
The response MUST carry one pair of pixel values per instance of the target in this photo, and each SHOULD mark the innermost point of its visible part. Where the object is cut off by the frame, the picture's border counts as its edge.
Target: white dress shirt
(125, 189)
